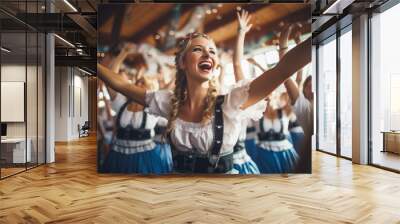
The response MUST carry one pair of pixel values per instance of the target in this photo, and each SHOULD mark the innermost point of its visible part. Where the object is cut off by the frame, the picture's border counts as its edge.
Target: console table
(391, 141)
(13, 150)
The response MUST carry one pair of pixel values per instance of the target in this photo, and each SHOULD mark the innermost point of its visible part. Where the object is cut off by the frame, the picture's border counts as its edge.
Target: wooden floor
(71, 191)
(10, 171)
(387, 159)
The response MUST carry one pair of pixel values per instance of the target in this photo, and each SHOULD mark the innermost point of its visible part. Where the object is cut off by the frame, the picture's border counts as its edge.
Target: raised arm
(255, 63)
(119, 84)
(117, 62)
(225, 58)
(291, 87)
(263, 85)
(299, 76)
(244, 27)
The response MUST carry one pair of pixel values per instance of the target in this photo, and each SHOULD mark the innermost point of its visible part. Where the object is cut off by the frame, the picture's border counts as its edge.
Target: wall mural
(204, 88)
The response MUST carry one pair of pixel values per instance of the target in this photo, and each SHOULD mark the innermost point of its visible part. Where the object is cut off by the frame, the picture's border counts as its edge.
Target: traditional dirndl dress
(162, 142)
(296, 133)
(212, 162)
(251, 138)
(242, 162)
(275, 152)
(209, 147)
(133, 149)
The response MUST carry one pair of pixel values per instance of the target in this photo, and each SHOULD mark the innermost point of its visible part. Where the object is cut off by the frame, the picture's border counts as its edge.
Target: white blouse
(135, 119)
(275, 125)
(197, 138)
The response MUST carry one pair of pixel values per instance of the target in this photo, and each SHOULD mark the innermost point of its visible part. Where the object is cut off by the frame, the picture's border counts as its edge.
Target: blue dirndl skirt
(154, 161)
(251, 148)
(296, 138)
(269, 161)
(244, 164)
(167, 155)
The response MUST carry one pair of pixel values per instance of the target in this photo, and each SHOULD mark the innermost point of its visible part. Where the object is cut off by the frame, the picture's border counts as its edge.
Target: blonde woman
(202, 126)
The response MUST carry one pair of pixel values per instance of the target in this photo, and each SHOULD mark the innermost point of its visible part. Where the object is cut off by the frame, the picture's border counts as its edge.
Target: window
(327, 96)
(346, 93)
(385, 89)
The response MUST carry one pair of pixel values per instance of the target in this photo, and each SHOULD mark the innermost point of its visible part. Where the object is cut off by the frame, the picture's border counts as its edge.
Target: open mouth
(205, 66)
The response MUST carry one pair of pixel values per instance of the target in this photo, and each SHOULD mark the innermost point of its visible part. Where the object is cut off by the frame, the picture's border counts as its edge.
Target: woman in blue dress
(133, 148)
(275, 150)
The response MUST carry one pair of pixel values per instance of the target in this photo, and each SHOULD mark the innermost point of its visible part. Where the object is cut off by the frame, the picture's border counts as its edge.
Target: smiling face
(200, 59)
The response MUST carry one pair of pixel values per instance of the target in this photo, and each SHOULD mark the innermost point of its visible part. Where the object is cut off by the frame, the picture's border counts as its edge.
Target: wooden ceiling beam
(255, 34)
(271, 14)
(231, 15)
(147, 35)
(138, 18)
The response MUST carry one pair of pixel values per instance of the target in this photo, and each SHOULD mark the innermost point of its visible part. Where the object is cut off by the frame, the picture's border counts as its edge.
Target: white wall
(33, 126)
(61, 103)
(71, 94)
(16, 73)
(13, 73)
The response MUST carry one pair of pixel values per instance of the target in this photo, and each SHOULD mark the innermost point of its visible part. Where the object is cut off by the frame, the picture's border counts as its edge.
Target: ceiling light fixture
(84, 71)
(65, 41)
(70, 5)
(337, 7)
(5, 50)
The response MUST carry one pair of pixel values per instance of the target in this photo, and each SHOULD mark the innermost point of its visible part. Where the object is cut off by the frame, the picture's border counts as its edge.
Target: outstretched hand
(130, 48)
(244, 19)
(284, 37)
(252, 61)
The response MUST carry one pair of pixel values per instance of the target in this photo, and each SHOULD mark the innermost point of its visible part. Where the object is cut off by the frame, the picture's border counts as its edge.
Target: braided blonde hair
(180, 92)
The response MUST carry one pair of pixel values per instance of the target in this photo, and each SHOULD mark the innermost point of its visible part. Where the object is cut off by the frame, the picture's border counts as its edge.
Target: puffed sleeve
(158, 102)
(236, 98)
(118, 102)
(162, 122)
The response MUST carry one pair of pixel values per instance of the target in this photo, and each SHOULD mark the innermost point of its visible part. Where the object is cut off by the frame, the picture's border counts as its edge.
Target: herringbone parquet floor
(71, 191)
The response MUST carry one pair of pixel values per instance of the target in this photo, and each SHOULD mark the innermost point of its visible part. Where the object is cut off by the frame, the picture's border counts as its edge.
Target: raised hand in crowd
(244, 27)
